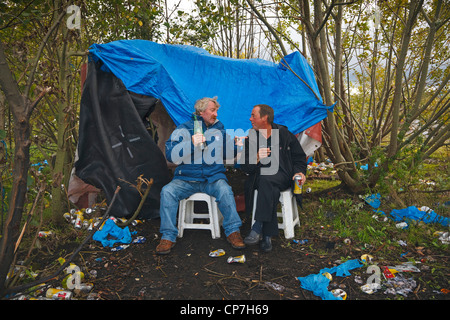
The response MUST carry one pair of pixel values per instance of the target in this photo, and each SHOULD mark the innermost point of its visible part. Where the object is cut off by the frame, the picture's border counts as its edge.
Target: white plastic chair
(288, 214)
(187, 215)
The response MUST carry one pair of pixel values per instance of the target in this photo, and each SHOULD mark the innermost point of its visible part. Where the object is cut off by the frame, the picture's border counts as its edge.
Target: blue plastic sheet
(179, 75)
(413, 213)
(318, 283)
(111, 234)
(374, 200)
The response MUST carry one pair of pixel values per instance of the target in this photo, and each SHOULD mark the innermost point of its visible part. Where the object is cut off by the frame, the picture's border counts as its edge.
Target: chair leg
(288, 215)
(255, 195)
(181, 217)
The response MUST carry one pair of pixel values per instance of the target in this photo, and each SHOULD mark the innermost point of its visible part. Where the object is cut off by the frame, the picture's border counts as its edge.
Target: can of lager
(58, 294)
(238, 259)
(298, 187)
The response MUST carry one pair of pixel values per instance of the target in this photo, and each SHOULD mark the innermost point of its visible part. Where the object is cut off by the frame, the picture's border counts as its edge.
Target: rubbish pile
(73, 285)
(392, 279)
(319, 283)
(320, 168)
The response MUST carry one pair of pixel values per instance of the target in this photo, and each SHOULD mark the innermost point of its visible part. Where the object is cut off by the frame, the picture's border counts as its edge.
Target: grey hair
(202, 104)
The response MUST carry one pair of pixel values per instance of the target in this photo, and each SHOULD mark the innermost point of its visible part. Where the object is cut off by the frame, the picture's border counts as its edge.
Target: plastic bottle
(198, 129)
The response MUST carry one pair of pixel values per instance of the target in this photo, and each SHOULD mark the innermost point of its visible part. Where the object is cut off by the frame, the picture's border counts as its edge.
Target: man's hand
(263, 153)
(198, 139)
(301, 175)
(239, 141)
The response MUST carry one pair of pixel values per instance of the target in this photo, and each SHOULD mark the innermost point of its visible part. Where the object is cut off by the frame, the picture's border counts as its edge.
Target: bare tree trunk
(20, 108)
(414, 8)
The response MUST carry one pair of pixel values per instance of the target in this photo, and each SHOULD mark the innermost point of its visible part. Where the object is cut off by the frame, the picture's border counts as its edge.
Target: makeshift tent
(129, 76)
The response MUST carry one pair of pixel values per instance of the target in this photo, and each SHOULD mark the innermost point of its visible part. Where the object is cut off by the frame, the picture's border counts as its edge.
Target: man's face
(210, 113)
(256, 120)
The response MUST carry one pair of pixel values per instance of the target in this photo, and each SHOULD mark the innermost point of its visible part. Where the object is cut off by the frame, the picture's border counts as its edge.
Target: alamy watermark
(74, 20)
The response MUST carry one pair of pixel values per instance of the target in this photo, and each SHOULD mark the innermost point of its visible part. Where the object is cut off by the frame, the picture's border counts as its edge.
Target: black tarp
(114, 146)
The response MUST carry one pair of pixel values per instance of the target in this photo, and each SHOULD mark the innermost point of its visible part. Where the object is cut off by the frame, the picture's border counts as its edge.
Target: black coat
(292, 159)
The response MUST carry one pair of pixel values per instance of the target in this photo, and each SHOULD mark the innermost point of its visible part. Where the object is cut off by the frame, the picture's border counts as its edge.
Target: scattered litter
(405, 267)
(443, 236)
(400, 285)
(305, 241)
(318, 283)
(380, 219)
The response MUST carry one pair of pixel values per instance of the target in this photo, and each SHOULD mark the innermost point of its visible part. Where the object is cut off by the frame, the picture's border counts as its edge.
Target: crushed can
(328, 275)
(339, 293)
(238, 259)
(217, 253)
(136, 222)
(44, 234)
(58, 294)
(139, 239)
(67, 216)
(298, 187)
(366, 258)
(121, 247)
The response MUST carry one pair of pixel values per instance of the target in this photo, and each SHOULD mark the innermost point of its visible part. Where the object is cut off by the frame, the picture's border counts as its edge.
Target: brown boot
(236, 240)
(164, 246)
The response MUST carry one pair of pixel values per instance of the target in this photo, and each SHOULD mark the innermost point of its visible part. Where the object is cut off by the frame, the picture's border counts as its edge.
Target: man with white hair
(199, 170)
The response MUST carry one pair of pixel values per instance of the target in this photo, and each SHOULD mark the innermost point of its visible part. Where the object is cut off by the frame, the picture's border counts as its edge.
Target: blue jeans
(178, 190)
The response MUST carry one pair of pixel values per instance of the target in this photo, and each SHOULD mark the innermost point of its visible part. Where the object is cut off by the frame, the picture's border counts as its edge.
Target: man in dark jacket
(198, 147)
(273, 157)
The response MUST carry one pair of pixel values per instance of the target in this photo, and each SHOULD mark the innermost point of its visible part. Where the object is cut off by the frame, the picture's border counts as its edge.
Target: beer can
(238, 259)
(67, 216)
(328, 275)
(44, 234)
(79, 220)
(298, 187)
(58, 294)
(136, 222)
(339, 293)
(217, 253)
(139, 239)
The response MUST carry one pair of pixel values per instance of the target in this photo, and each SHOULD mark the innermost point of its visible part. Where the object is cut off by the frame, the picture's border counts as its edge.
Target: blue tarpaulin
(179, 75)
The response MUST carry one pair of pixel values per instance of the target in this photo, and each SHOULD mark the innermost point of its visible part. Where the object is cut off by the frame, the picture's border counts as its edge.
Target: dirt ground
(189, 273)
